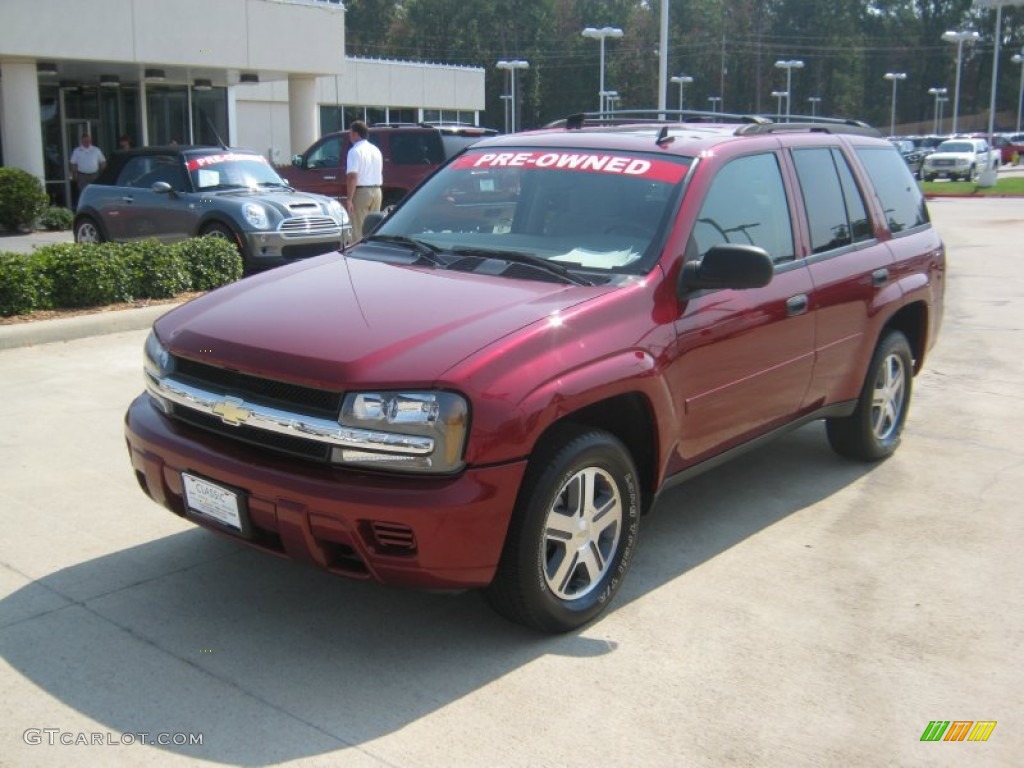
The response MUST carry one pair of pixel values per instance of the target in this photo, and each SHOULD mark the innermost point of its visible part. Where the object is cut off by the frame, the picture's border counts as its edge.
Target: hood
(286, 202)
(334, 322)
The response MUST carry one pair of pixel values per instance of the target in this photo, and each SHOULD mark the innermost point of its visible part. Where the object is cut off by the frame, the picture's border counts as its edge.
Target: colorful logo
(958, 730)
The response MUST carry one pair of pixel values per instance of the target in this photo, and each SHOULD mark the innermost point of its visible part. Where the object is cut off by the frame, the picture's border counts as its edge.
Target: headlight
(441, 416)
(157, 363)
(256, 215)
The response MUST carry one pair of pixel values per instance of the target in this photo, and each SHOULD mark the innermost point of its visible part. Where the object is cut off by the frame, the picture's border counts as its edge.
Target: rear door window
(836, 216)
(422, 148)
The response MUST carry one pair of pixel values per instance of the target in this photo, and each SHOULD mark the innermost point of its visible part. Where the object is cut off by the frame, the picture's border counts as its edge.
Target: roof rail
(653, 116)
(751, 124)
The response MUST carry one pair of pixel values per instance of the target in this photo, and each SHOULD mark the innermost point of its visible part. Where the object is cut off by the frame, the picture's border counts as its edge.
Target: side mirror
(727, 266)
(372, 221)
(297, 161)
(162, 188)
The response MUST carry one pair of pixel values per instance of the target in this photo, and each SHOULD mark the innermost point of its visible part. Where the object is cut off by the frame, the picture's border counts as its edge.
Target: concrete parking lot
(790, 609)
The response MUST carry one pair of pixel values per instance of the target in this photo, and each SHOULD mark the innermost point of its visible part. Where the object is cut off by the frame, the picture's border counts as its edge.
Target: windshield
(230, 170)
(955, 146)
(589, 210)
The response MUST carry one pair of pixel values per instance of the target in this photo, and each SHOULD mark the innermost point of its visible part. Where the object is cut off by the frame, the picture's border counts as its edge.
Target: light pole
(943, 101)
(959, 37)
(600, 35)
(1018, 58)
(780, 95)
(512, 66)
(937, 93)
(789, 66)
(682, 80)
(506, 98)
(895, 77)
(814, 101)
(715, 101)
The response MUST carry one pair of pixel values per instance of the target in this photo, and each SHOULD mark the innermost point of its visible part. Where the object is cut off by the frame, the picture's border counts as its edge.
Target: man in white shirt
(364, 174)
(86, 162)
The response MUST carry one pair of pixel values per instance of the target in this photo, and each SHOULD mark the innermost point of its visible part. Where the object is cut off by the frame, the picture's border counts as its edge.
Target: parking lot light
(789, 65)
(895, 77)
(938, 93)
(959, 37)
(601, 35)
(682, 80)
(1018, 58)
(779, 95)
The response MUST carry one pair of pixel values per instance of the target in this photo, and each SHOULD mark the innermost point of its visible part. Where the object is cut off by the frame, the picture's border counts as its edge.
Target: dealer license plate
(215, 502)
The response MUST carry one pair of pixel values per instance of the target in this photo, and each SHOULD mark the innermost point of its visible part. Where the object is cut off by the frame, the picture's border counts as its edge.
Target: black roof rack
(750, 123)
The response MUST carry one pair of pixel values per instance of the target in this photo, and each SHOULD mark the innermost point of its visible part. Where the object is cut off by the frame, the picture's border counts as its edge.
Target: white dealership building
(269, 75)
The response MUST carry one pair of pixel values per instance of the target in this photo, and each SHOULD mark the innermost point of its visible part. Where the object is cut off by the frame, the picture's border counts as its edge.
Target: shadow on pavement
(271, 661)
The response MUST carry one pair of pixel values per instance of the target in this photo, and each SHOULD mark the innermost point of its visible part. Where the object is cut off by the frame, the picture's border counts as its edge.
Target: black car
(173, 193)
(913, 156)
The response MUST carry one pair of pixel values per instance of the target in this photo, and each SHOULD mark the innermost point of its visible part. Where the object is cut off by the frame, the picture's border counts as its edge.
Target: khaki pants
(364, 200)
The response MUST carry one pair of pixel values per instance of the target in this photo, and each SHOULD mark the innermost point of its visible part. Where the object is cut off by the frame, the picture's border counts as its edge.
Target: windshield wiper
(273, 184)
(528, 259)
(419, 247)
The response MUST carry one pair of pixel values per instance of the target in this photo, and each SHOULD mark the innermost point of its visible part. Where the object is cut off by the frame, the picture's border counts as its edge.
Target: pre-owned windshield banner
(228, 157)
(587, 162)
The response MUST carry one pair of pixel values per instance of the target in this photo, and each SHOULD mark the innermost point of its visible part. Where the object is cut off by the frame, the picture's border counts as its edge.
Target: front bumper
(436, 532)
(272, 249)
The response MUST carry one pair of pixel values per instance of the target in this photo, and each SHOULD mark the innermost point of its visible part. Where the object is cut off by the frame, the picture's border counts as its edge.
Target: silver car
(173, 193)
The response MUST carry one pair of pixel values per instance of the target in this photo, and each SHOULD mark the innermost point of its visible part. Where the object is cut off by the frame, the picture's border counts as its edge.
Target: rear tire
(88, 231)
(573, 532)
(872, 432)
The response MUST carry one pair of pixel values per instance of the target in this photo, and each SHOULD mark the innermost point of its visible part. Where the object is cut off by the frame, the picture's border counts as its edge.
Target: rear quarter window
(901, 198)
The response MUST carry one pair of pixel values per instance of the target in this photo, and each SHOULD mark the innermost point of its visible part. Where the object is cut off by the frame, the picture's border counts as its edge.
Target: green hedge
(22, 199)
(70, 275)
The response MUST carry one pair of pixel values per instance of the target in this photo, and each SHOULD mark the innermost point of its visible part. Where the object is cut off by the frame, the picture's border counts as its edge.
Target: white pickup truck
(960, 159)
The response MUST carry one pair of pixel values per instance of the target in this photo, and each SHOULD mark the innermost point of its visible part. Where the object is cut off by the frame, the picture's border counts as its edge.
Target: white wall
(242, 34)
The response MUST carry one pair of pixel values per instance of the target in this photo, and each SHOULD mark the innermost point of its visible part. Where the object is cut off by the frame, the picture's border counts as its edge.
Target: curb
(71, 328)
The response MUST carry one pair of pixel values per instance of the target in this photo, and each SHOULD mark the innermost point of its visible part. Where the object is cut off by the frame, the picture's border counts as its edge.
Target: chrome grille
(300, 226)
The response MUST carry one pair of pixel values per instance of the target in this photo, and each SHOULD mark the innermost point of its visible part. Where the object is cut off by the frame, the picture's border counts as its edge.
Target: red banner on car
(227, 157)
(587, 162)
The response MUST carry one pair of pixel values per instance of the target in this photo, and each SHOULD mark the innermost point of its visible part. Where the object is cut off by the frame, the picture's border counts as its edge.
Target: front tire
(873, 431)
(573, 533)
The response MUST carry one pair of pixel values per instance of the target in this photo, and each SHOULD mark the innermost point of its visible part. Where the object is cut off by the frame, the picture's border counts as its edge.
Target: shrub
(22, 199)
(212, 262)
(87, 275)
(158, 272)
(24, 285)
(56, 219)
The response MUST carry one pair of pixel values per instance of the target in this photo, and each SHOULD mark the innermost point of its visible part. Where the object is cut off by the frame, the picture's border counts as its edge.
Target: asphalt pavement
(788, 609)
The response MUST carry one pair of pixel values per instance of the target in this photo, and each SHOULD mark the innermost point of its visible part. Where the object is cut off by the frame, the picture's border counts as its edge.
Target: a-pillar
(303, 122)
(20, 118)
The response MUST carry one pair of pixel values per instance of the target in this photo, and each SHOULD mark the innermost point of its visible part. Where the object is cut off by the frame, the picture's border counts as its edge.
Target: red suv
(412, 151)
(493, 387)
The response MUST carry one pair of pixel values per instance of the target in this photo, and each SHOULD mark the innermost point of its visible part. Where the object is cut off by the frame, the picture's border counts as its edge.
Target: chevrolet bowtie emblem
(232, 411)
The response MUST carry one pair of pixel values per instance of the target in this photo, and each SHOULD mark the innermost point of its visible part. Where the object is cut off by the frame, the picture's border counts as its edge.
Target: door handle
(797, 305)
(880, 277)
(330, 178)
(127, 199)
